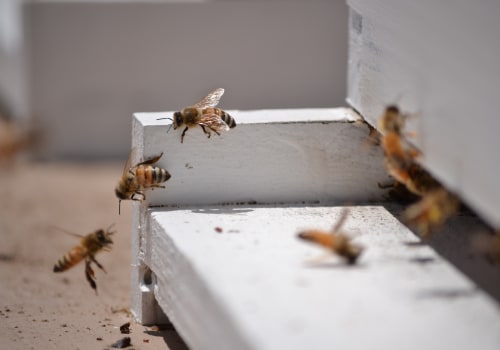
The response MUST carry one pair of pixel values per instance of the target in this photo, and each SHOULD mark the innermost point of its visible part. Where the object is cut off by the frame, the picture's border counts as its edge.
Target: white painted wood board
(272, 156)
(251, 286)
(438, 60)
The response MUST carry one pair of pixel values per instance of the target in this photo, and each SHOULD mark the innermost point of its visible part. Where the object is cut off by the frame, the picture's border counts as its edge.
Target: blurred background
(72, 73)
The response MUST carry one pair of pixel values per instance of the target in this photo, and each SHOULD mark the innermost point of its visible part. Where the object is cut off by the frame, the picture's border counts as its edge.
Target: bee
(437, 204)
(335, 240)
(400, 156)
(432, 211)
(205, 115)
(136, 179)
(89, 246)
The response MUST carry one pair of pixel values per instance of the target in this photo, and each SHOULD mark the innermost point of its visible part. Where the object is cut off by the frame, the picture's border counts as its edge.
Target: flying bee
(335, 240)
(136, 179)
(432, 211)
(205, 115)
(89, 246)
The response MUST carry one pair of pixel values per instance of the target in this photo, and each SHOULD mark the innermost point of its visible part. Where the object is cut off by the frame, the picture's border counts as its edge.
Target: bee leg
(218, 133)
(157, 186)
(183, 133)
(89, 274)
(205, 131)
(93, 259)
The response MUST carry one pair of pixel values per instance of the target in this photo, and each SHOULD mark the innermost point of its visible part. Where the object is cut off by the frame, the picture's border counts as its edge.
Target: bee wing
(341, 220)
(211, 100)
(214, 122)
(129, 161)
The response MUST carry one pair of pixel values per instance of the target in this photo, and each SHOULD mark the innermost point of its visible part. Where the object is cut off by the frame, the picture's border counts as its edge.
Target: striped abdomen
(148, 175)
(70, 259)
(222, 114)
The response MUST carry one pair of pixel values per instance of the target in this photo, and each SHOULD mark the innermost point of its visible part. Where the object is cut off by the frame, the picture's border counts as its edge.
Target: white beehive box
(438, 60)
(216, 251)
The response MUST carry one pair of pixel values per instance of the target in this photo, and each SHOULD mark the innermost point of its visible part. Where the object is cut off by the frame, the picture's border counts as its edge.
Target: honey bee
(432, 211)
(136, 179)
(205, 115)
(437, 204)
(89, 246)
(335, 240)
(400, 156)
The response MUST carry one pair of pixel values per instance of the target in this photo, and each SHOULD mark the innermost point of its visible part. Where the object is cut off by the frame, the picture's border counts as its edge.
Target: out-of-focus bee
(136, 179)
(89, 246)
(431, 211)
(437, 204)
(335, 240)
(400, 156)
(205, 115)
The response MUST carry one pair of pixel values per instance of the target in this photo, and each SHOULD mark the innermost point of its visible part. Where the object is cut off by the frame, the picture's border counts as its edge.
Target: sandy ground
(40, 309)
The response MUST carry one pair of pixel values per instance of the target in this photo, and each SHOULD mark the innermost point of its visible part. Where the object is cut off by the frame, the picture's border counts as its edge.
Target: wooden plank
(252, 286)
(272, 156)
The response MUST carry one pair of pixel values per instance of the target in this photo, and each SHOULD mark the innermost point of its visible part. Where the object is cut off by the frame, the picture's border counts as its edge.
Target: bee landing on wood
(136, 179)
(205, 115)
(90, 245)
(335, 240)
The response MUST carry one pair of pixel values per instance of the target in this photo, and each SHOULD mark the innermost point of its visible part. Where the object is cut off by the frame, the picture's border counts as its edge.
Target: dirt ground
(40, 309)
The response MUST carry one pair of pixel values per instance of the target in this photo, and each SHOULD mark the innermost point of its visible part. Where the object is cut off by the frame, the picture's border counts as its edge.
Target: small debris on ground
(122, 343)
(125, 328)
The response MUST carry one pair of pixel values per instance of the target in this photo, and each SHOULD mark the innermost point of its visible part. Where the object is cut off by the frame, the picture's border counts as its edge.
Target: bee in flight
(136, 179)
(432, 211)
(205, 115)
(335, 240)
(89, 246)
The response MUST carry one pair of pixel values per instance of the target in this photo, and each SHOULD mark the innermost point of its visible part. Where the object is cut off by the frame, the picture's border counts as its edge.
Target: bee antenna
(170, 124)
(119, 206)
(64, 231)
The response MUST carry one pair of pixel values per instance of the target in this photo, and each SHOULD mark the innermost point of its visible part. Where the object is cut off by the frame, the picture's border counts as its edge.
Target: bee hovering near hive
(136, 179)
(437, 204)
(335, 240)
(432, 211)
(205, 115)
(89, 246)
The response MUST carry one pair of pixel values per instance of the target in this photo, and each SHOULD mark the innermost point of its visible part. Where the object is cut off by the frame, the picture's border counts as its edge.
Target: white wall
(94, 64)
